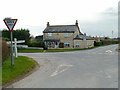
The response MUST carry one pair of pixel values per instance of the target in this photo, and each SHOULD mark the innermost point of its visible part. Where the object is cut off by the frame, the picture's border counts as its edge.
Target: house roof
(61, 29)
(82, 37)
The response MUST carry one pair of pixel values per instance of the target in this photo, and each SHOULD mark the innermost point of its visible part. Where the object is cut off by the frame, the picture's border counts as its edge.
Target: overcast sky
(95, 17)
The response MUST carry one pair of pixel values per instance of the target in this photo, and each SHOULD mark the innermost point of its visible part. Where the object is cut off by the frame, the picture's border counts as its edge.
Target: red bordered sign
(10, 23)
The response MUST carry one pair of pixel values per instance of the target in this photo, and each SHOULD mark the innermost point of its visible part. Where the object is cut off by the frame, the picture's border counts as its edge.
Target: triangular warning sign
(10, 23)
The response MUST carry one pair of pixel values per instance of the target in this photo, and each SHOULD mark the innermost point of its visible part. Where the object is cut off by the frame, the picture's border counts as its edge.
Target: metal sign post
(10, 23)
(12, 58)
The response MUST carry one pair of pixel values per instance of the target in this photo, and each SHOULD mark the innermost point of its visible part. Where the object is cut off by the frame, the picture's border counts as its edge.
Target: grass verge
(0, 76)
(22, 66)
(25, 50)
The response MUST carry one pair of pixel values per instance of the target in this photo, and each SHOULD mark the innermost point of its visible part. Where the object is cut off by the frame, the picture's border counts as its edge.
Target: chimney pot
(76, 23)
(48, 24)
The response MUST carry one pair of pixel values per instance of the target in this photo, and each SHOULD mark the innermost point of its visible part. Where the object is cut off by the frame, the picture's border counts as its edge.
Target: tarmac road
(95, 68)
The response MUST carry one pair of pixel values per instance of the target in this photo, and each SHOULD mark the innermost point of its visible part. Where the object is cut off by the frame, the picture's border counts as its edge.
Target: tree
(36, 42)
(20, 34)
(6, 34)
(107, 38)
(39, 38)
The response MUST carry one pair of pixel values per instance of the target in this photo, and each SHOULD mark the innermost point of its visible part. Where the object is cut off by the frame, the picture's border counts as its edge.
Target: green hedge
(108, 42)
(36, 44)
(98, 43)
(5, 51)
(105, 42)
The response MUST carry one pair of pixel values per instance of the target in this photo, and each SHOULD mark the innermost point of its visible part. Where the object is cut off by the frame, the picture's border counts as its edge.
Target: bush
(98, 43)
(61, 45)
(5, 50)
(35, 44)
(108, 42)
(105, 42)
(45, 47)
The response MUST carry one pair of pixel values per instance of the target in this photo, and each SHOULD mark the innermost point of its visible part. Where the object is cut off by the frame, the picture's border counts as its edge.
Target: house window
(49, 34)
(77, 44)
(84, 39)
(66, 44)
(56, 43)
(66, 34)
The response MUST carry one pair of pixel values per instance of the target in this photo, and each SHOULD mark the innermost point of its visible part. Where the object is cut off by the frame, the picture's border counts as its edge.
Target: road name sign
(10, 23)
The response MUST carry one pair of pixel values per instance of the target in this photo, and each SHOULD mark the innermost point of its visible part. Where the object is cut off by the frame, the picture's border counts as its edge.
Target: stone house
(83, 41)
(69, 36)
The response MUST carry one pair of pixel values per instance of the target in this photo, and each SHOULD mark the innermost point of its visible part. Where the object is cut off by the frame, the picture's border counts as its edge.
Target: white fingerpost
(15, 47)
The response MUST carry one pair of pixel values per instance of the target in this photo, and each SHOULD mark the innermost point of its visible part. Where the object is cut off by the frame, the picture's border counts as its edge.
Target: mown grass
(50, 50)
(22, 66)
(0, 75)
(25, 50)
(66, 49)
(119, 47)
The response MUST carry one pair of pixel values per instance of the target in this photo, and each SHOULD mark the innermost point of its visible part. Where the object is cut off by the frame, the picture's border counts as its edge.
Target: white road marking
(108, 75)
(61, 68)
(108, 51)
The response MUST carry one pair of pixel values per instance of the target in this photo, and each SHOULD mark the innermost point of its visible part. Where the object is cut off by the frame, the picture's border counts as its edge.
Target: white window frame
(77, 44)
(50, 34)
(84, 39)
(66, 44)
(66, 34)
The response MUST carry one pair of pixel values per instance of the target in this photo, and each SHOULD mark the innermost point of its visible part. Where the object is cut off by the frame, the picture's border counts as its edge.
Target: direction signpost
(10, 23)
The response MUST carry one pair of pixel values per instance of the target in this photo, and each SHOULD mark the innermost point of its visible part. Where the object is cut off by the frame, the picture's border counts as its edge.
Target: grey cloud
(111, 11)
(107, 23)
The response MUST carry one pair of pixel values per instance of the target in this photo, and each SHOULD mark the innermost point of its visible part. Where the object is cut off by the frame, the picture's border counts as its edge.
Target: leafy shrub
(45, 47)
(35, 44)
(105, 42)
(108, 42)
(5, 50)
(61, 45)
(98, 43)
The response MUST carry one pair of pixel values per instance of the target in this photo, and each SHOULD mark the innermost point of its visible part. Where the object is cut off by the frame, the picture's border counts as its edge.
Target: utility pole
(112, 36)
